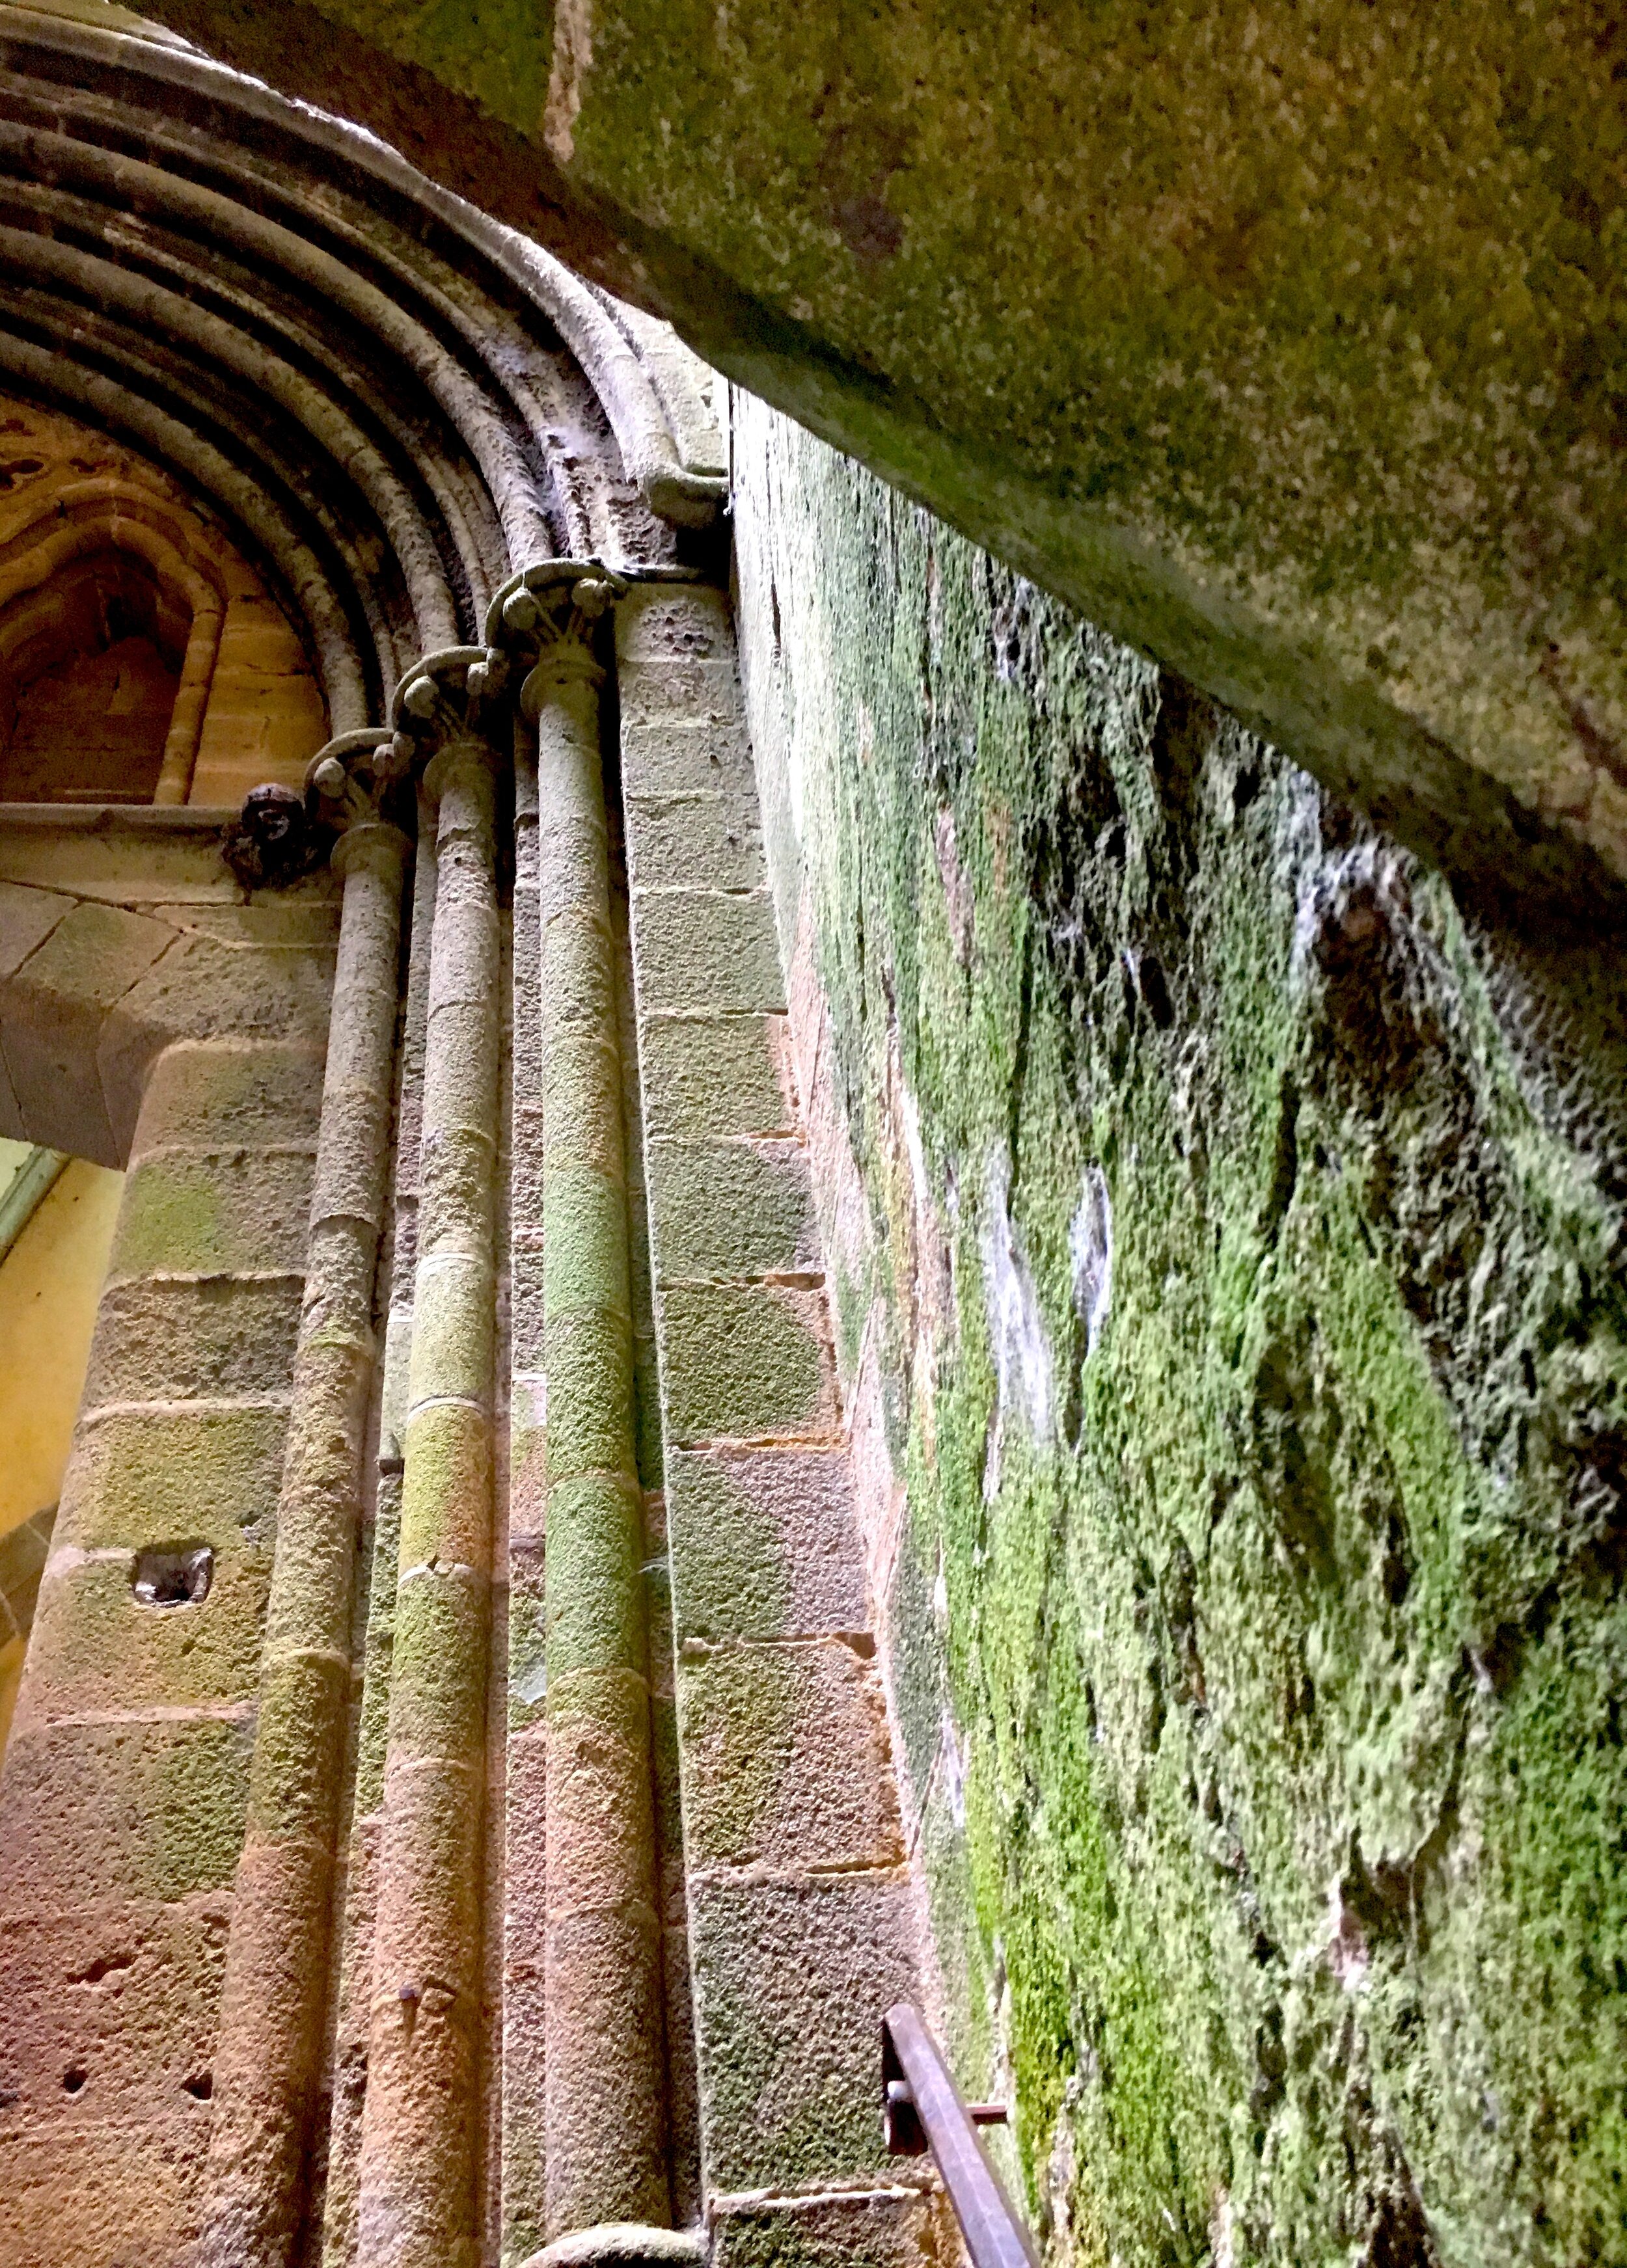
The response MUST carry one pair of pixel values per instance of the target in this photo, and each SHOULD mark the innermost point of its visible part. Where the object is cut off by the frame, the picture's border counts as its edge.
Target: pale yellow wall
(264, 719)
(49, 1282)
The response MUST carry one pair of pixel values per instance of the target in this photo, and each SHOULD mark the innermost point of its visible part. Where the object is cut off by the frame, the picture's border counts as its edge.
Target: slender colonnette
(417, 2203)
(607, 2186)
(374, 1635)
(267, 2070)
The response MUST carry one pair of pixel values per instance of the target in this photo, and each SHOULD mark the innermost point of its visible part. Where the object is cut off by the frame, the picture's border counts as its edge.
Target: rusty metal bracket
(922, 2111)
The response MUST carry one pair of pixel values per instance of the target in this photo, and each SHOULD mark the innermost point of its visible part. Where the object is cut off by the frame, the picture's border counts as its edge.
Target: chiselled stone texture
(126, 1771)
(800, 1912)
(1226, 1219)
(138, 990)
(374, 1636)
(121, 933)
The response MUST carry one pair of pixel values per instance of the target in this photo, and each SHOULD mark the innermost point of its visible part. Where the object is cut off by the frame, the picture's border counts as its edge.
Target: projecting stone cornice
(1282, 344)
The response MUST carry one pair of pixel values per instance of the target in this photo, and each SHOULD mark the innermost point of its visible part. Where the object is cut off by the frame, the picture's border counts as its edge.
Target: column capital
(443, 697)
(543, 621)
(347, 784)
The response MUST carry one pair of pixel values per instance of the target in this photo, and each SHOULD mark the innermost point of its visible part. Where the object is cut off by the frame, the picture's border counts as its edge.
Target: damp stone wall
(1224, 1218)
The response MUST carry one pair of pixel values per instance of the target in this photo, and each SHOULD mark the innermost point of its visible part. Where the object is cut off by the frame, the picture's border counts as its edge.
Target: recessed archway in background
(144, 659)
(90, 666)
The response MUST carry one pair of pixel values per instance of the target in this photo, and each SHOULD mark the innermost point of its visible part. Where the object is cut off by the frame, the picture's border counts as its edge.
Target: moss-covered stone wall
(1230, 1217)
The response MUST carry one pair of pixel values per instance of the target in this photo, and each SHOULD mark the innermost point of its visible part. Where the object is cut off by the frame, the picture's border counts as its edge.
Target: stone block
(102, 1649)
(715, 1075)
(745, 1363)
(892, 2228)
(203, 989)
(184, 1342)
(680, 756)
(703, 950)
(270, 920)
(655, 624)
(731, 1210)
(114, 2194)
(704, 842)
(27, 918)
(226, 1094)
(128, 1808)
(121, 1992)
(786, 1756)
(763, 1543)
(53, 1007)
(680, 687)
(161, 1477)
(93, 956)
(242, 1212)
(792, 1980)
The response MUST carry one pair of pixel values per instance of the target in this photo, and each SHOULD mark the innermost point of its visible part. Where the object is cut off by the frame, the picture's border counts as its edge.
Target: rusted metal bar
(922, 2110)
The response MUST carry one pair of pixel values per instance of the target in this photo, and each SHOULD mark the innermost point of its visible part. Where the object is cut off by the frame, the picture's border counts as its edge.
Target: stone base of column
(622, 2245)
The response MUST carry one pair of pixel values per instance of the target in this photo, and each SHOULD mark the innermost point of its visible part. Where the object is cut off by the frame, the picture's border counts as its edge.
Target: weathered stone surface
(109, 1652)
(27, 917)
(732, 1209)
(710, 841)
(894, 2227)
(792, 1980)
(787, 1756)
(688, 622)
(124, 1994)
(1233, 1328)
(54, 1009)
(715, 1075)
(144, 1810)
(87, 2190)
(142, 1477)
(203, 988)
(706, 950)
(222, 1337)
(745, 1362)
(238, 1214)
(681, 689)
(763, 1543)
(685, 754)
(227, 1094)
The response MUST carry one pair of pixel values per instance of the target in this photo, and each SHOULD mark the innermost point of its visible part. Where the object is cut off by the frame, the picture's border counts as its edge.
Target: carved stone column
(415, 2206)
(607, 2184)
(267, 2064)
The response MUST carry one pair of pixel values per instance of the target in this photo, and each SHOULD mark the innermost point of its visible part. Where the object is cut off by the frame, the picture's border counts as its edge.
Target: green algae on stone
(1248, 1211)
